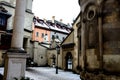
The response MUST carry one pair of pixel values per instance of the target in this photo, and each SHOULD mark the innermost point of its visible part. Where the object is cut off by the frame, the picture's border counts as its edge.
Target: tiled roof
(57, 26)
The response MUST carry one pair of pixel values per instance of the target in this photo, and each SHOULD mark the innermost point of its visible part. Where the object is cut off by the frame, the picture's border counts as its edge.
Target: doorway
(69, 61)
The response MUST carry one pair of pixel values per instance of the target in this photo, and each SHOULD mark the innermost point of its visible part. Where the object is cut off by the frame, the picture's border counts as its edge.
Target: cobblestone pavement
(48, 73)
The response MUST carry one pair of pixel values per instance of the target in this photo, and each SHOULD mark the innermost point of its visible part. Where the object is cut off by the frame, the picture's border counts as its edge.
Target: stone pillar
(15, 59)
(18, 31)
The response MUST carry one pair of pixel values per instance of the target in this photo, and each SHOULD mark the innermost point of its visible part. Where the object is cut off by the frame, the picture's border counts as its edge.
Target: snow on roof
(57, 40)
(58, 26)
(41, 25)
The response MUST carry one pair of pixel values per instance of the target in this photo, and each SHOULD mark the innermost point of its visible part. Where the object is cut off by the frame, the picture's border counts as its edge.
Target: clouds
(61, 9)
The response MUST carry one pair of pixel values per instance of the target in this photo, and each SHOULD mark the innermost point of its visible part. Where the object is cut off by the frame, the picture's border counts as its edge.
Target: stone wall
(9, 5)
(100, 40)
(40, 54)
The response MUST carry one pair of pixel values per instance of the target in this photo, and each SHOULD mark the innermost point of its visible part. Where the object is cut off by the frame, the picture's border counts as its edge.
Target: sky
(67, 10)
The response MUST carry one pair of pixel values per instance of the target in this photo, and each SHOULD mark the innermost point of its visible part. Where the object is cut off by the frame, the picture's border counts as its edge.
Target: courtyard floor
(48, 73)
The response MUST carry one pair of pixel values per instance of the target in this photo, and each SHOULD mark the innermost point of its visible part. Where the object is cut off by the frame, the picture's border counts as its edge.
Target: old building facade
(6, 33)
(41, 32)
(99, 32)
(46, 34)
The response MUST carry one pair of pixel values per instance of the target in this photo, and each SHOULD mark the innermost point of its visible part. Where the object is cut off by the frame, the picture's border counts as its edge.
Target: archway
(69, 61)
(53, 60)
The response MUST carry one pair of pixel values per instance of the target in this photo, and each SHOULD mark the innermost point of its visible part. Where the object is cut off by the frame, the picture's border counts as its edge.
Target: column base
(17, 50)
(15, 65)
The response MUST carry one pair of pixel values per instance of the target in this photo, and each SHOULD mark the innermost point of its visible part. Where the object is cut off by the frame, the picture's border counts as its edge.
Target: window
(2, 21)
(53, 37)
(5, 41)
(3, 18)
(37, 34)
(63, 38)
(46, 37)
(57, 36)
(42, 35)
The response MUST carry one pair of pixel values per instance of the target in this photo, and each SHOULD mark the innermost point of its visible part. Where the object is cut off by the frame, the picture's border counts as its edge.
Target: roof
(68, 45)
(57, 26)
(71, 30)
(40, 23)
(45, 44)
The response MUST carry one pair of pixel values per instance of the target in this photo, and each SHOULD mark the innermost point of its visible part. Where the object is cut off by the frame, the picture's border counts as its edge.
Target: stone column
(15, 59)
(18, 27)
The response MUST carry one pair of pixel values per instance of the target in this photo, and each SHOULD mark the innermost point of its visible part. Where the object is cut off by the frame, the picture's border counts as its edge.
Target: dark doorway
(25, 43)
(69, 61)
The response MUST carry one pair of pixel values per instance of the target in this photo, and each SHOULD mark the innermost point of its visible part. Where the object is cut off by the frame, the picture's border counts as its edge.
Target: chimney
(53, 19)
(44, 20)
(61, 20)
(37, 18)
